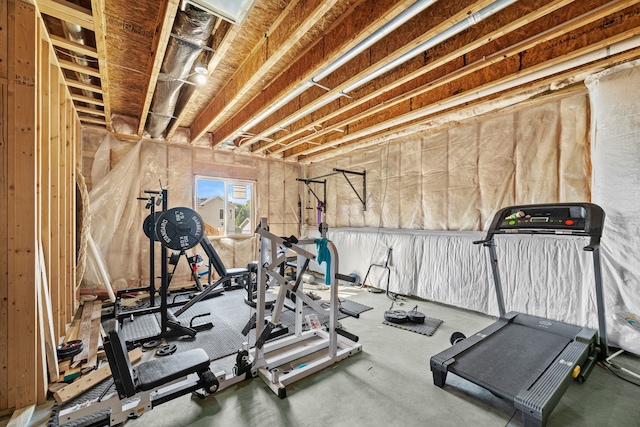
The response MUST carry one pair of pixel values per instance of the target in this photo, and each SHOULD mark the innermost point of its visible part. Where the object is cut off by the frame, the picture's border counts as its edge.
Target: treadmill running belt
(509, 360)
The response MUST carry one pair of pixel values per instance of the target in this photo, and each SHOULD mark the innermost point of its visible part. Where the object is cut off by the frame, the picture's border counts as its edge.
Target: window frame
(228, 182)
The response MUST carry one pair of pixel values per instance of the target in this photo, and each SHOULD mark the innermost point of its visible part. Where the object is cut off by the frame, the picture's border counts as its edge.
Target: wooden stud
(83, 86)
(4, 248)
(170, 10)
(94, 120)
(54, 208)
(22, 297)
(88, 110)
(87, 100)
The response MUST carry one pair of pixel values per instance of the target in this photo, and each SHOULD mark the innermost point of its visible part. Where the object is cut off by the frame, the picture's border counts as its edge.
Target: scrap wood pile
(79, 355)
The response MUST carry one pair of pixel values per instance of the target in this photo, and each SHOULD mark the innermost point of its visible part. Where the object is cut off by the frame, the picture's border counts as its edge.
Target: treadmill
(526, 359)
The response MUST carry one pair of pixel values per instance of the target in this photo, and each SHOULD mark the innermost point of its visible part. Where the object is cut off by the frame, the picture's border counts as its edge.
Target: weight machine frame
(267, 365)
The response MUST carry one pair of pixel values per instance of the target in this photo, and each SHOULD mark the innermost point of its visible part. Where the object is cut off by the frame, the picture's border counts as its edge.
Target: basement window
(226, 206)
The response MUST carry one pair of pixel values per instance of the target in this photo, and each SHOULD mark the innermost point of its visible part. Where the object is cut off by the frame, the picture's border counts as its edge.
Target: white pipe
(386, 29)
(602, 53)
(97, 257)
(457, 28)
(403, 17)
(392, 25)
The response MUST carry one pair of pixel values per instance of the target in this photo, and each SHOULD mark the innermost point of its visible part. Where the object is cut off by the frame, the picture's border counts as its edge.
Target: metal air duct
(190, 34)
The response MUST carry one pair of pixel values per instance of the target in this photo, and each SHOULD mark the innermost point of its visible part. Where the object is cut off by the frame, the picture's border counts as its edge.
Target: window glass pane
(239, 197)
(225, 206)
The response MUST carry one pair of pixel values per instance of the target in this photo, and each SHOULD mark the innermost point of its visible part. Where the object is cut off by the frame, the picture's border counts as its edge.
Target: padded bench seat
(157, 372)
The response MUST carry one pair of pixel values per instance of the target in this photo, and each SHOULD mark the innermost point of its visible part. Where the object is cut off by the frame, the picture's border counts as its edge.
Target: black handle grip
(346, 278)
(483, 241)
(349, 313)
(347, 335)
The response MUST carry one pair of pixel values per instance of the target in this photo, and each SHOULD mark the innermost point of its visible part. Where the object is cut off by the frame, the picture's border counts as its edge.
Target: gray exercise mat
(427, 328)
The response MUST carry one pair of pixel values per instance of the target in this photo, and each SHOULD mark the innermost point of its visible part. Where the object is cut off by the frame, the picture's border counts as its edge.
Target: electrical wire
(608, 367)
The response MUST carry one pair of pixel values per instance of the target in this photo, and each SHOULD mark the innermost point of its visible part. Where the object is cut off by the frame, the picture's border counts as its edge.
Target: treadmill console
(552, 219)
(582, 219)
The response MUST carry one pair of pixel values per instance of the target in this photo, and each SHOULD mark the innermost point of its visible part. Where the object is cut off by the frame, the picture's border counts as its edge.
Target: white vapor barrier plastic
(125, 170)
(548, 276)
(616, 188)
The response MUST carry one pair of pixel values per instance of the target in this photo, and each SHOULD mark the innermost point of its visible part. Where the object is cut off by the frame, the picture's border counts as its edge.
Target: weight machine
(337, 344)
(179, 229)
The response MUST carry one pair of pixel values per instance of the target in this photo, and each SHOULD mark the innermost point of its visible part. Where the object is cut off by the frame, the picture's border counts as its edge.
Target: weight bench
(240, 275)
(151, 383)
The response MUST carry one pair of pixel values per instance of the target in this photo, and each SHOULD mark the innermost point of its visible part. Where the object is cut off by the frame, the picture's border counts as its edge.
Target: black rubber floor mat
(230, 314)
(427, 328)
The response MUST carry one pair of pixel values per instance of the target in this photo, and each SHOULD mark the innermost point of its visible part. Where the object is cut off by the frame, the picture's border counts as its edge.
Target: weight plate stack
(396, 316)
(148, 225)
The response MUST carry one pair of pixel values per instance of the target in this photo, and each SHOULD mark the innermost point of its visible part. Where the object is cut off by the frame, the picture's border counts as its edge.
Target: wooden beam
(79, 68)
(287, 141)
(21, 175)
(87, 382)
(84, 86)
(96, 112)
(87, 100)
(98, 6)
(85, 119)
(356, 74)
(78, 48)
(68, 12)
(267, 54)
(381, 103)
(171, 8)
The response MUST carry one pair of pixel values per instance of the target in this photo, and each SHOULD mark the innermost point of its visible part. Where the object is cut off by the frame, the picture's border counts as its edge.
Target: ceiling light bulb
(200, 79)
(200, 68)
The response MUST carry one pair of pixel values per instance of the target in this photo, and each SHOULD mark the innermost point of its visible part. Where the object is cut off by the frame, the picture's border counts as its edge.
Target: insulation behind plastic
(615, 121)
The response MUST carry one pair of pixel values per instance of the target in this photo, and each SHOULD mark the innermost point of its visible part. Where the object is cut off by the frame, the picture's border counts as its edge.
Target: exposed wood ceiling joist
(276, 86)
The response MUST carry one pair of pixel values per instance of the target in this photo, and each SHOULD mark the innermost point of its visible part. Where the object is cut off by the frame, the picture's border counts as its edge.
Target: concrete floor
(390, 384)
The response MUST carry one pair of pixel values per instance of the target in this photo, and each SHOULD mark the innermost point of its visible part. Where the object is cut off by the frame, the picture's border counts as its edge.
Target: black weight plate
(180, 228)
(396, 316)
(69, 349)
(166, 350)
(415, 316)
(147, 225)
(456, 337)
(150, 345)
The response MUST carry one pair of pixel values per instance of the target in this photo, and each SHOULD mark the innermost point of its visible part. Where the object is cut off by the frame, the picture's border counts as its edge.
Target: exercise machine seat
(217, 263)
(156, 372)
(148, 375)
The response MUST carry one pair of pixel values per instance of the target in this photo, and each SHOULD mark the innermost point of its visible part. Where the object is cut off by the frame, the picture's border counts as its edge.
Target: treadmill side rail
(541, 398)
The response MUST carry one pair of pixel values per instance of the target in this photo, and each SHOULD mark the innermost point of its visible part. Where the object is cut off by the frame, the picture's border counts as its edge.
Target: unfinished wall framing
(38, 140)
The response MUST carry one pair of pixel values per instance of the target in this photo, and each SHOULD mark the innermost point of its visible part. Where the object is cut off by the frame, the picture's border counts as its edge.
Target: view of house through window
(225, 206)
